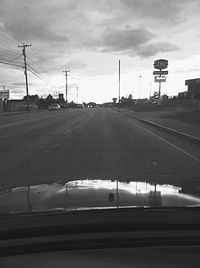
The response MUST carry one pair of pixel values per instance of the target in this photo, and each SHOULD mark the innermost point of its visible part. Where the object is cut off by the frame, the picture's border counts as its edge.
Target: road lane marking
(168, 142)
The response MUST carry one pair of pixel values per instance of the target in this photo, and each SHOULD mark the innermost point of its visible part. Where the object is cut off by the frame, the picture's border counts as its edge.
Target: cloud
(69, 26)
(74, 64)
(30, 21)
(126, 39)
(36, 30)
(135, 42)
(155, 48)
(157, 10)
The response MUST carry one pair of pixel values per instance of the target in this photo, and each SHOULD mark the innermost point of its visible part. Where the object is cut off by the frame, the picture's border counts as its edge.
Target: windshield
(124, 77)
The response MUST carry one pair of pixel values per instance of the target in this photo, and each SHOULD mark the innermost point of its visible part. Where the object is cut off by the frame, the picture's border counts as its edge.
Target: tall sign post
(159, 75)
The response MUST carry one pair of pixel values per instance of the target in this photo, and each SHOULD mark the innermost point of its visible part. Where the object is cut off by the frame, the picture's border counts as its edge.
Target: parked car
(54, 107)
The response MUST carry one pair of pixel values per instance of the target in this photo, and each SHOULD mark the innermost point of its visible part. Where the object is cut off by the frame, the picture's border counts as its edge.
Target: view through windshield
(99, 105)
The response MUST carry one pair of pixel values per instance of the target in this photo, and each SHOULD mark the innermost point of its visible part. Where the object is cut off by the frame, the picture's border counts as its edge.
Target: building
(183, 95)
(19, 105)
(61, 100)
(4, 96)
(193, 88)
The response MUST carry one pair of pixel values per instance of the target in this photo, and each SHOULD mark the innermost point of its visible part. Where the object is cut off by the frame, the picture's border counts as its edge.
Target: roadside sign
(160, 72)
(4, 94)
(160, 79)
(160, 64)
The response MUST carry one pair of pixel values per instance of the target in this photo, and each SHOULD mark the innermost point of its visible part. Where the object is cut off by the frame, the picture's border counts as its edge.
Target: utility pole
(77, 94)
(66, 73)
(24, 46)
(119, 84)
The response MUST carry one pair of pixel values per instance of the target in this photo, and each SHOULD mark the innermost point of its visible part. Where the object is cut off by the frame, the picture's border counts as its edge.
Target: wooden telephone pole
(66, 89)
(24, 46)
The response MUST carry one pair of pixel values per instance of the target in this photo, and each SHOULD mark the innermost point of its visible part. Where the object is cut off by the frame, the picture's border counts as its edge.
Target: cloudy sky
(88, 37)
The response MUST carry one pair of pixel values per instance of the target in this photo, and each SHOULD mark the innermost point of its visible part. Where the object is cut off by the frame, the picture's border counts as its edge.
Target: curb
(173, 131)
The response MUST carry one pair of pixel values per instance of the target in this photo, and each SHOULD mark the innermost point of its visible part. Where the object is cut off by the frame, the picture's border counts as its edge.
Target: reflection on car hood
(94, 194)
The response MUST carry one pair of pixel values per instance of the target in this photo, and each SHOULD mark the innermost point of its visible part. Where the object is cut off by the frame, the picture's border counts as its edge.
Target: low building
(19, 105)
(4, 96)
(193, 88)
(61, 100)
(183, 95)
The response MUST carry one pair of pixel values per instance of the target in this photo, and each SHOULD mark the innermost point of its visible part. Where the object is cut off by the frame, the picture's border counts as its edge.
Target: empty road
(96, 143)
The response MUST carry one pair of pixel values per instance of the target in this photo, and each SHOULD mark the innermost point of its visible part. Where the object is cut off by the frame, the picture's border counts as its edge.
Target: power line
(37, 74)
(42, 76)
(33, 50)
(4, 54)
(34, 69)
(46, 59)
(11, 61)
(10, 35)
(37, 66)
(11, 64)
(5, 36)
(10, 50)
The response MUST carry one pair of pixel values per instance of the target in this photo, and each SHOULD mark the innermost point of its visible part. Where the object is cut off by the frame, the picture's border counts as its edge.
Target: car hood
(96, 194)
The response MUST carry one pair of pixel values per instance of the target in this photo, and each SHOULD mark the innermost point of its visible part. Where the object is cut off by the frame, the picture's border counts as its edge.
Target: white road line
(168, 142)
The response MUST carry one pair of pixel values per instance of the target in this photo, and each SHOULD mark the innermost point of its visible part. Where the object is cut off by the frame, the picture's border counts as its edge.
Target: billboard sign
(160, 79)
(160, 64)
(4, 94)
(160, 72)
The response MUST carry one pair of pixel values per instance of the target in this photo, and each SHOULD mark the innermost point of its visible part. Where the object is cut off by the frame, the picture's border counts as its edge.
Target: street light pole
(140, 85)
(77, 94)
(150, 91)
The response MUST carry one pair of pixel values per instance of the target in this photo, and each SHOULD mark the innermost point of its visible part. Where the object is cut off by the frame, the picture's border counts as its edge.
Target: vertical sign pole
(150, 91)
(159, 92)
(119, 86)
(117, 192)
(159, 89)
(28, 199)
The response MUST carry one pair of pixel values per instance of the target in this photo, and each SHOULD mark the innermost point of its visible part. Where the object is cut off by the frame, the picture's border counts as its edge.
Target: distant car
(79, 106)
(54, 107)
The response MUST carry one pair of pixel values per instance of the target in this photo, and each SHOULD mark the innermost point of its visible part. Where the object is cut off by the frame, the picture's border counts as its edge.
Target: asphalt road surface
(96, 143)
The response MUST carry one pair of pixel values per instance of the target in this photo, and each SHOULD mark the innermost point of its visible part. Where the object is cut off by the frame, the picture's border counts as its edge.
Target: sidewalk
(176, 127)
(186, 130)
(20, 112)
